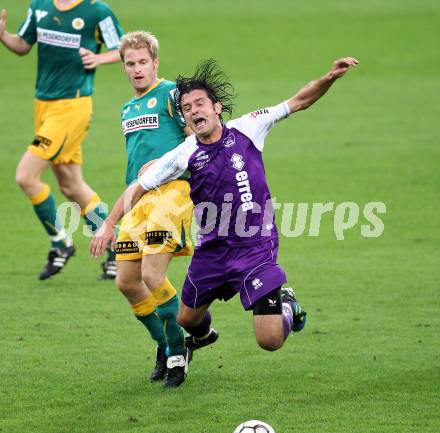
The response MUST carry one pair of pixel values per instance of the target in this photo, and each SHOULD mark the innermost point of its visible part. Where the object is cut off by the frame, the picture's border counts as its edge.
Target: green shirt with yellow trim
(152, 127)
(59, 35)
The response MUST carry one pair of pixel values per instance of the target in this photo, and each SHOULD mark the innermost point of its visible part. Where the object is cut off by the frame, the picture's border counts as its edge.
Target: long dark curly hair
(209, 77)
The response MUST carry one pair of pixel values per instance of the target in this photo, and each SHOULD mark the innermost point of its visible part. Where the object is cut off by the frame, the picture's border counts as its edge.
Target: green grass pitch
(72, 357)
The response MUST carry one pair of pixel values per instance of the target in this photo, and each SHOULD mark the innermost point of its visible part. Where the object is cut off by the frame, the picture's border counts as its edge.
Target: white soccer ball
(254, 426)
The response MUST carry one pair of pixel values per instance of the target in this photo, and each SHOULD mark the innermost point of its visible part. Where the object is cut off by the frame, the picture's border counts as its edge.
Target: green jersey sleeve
(28, 29)
(109, 30)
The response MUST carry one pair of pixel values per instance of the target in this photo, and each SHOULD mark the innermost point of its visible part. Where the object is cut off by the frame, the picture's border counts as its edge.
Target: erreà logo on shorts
(58, 39)
(147, 121)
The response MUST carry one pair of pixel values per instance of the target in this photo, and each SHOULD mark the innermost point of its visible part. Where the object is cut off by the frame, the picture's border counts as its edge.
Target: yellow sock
(145, 307)
(164, 292)
(93, 202)
(145, 312)
(43, 195)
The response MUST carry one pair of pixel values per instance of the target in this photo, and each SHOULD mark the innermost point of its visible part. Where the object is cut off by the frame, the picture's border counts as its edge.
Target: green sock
(95, 217)
(154, 325)
(174, 333)
(47, 213)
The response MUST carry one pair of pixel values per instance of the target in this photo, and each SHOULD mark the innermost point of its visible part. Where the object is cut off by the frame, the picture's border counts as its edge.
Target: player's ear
(156, 63)
(218, 108)
(123, 64)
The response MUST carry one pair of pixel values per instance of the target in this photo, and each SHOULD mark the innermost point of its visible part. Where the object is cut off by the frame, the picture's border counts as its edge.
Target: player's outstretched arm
(310, 93)
(105, 234)
(14, 43)
(92, 61)
(167, 168)
(145, 167)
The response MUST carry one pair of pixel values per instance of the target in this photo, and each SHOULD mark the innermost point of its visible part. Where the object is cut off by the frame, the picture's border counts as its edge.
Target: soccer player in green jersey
(69, 34)
(158, 228)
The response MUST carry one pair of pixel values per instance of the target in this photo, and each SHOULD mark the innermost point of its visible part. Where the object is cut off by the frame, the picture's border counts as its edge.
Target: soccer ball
(254, 426)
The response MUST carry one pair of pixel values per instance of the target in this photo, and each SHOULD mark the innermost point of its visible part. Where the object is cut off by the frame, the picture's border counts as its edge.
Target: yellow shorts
(60, 128)
(159, 223)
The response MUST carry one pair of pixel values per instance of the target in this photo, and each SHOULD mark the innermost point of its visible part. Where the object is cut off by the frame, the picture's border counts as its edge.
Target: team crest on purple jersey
(229, 140)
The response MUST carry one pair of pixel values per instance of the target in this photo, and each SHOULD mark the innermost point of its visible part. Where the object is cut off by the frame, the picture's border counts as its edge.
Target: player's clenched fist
(89, 58)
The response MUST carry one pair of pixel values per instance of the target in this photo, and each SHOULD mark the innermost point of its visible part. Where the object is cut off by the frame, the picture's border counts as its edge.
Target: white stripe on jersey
(26, 23)
(109, 33)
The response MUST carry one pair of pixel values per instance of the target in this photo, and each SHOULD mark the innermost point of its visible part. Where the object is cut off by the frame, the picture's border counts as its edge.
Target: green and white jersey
(152, 127)
(60, 34)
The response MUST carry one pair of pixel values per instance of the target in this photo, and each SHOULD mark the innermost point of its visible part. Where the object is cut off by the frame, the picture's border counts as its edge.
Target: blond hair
(138, 40)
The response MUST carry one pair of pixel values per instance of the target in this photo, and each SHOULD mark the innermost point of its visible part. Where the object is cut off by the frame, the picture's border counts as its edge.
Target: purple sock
(202, 329)
(287, 319)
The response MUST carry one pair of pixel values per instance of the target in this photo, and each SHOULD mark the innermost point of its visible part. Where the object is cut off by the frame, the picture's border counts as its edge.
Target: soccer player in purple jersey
(238, 241)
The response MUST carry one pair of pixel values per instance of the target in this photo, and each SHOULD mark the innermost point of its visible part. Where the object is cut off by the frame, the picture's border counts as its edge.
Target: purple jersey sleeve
(257, 124)
(170, 166)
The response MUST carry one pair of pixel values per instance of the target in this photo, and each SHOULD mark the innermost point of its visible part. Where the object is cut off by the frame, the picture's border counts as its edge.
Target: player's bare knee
(268, 347)
(184, 320)
(124, 284)
(270, 343)
(152, 278)
(23, 180)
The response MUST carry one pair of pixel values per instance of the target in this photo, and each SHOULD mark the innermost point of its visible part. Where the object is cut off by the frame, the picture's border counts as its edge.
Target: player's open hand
(101, 239)
(340, 66)
(89, 58)
(3, 16)
(145, 167)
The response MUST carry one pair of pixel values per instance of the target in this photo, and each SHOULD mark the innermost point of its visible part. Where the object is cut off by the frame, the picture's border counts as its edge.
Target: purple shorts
(222, 272)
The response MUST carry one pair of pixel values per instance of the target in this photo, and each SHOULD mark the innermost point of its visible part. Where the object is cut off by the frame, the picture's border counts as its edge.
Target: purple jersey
(228, 182)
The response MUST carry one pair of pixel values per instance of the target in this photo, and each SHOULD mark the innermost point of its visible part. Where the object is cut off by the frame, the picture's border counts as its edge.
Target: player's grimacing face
(200, 113)
(140, 68)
